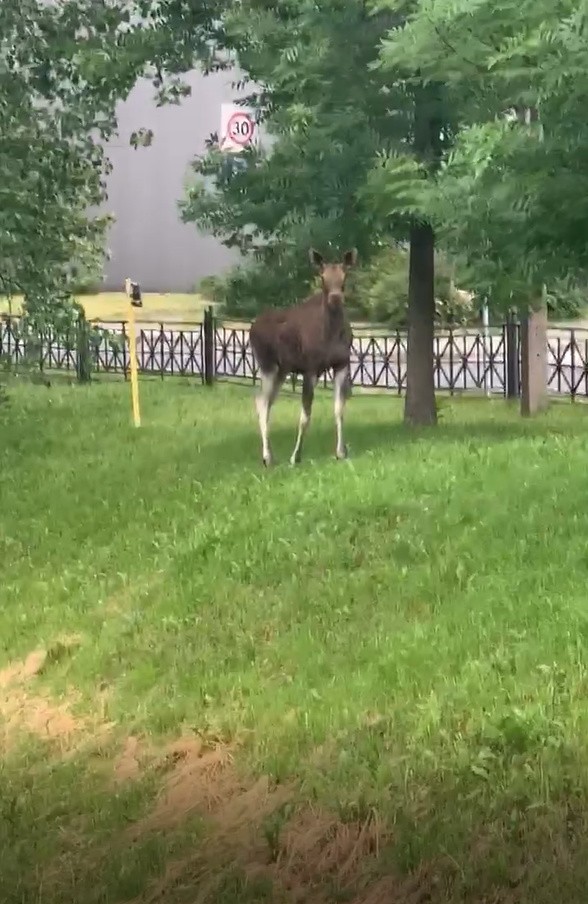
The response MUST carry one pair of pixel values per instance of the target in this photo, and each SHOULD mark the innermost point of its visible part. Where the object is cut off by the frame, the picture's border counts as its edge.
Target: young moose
(308, 339)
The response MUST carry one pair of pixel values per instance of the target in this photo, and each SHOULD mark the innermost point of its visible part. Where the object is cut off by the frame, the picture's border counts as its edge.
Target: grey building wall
(148, 241)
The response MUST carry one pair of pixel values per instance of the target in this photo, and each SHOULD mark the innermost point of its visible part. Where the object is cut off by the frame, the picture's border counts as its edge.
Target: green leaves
(396, 186)
(511, 192)
(50, 170)
(325, 116)
(63, 67)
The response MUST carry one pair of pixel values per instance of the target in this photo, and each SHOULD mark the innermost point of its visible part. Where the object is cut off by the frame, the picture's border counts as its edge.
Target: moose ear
(350, 258)
(316, 259)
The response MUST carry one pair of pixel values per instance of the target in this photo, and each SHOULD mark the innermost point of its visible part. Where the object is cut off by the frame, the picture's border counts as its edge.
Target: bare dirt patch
(417, 889)
(258, 829)
(34, 713)
(255, 834)
(127, 765)
(196, 780)
(24, 670)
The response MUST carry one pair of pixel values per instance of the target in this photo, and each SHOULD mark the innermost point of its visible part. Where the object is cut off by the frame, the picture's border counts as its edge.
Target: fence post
(124, 349)
(83, 358)
(534, 360)
(41, 350)
(208, 337)
(511, 338)
(162, 352)
(573, 363)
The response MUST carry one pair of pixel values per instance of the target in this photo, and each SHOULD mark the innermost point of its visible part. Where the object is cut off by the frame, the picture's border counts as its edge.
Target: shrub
(566, 301)
(85, 273)
(380, 291)
(377, 292)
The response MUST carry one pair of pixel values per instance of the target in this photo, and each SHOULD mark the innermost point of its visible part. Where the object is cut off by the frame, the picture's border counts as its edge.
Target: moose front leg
(308, 385)
(270, 386)
(342, 391)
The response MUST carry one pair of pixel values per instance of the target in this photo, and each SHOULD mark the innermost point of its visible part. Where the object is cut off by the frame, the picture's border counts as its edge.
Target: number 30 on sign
(237, 127)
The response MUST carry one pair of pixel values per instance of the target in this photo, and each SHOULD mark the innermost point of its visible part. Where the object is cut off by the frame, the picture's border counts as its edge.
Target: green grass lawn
(363, 681)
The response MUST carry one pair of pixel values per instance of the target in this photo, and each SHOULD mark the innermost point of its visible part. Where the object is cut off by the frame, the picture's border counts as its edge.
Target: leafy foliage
(380, 291)
(327, 113)
(63, 67)
(513, 191)
(566, 299)
(85, 272)
(50, 170)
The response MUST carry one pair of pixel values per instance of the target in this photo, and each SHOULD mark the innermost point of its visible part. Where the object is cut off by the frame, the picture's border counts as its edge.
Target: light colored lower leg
(341, 388)
(270, 386)
(307, 396)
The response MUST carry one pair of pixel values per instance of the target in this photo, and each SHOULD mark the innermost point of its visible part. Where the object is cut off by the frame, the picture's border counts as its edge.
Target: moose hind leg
(342, 391)
(270, 386)
(308, 385)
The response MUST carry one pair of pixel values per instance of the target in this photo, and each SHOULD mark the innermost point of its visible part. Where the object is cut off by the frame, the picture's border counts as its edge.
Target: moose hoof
(295, 458)
(267, 461)
(341, 454)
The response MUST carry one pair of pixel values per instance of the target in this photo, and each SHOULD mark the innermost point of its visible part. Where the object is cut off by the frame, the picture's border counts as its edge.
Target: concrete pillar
(534, 361)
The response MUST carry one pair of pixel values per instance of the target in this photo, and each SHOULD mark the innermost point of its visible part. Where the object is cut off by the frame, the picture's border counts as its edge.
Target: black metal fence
(465, 360)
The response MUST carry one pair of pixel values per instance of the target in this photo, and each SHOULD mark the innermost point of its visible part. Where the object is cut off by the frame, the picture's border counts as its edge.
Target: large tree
(329, 111)
(63, 67)
(51, 170)
(512, 193)
(326, 115)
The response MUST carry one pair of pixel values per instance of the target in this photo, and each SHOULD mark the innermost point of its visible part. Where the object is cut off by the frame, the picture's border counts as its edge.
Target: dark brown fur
(306, 339)
(311, 336)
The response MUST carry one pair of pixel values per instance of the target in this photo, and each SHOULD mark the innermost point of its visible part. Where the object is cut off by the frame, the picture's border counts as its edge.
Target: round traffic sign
(240, 128)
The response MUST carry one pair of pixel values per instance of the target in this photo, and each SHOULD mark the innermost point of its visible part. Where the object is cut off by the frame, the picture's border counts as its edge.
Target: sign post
(133, 298)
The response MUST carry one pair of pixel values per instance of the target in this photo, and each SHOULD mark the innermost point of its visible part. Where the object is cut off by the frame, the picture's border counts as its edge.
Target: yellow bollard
(133, 360)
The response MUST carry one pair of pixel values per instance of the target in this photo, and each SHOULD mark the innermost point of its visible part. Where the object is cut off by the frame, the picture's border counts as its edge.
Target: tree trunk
(420, 408)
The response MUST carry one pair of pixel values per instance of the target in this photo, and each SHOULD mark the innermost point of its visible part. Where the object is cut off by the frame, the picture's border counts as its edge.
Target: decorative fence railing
(464, 360)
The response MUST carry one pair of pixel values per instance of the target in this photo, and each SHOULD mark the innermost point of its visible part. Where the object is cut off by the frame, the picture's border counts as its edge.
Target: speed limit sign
(240, 128)
(237, 127)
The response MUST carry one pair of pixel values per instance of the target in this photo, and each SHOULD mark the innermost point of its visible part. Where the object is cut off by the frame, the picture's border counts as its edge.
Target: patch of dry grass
(167, 308)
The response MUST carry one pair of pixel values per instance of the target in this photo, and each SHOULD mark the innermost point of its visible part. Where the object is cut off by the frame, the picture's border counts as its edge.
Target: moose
(306, 339)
